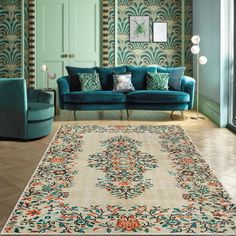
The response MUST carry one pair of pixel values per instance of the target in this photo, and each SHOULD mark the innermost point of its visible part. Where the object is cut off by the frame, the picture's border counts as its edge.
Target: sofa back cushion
(139, 75)
(106, 75)
(74, 77)
(175, 75)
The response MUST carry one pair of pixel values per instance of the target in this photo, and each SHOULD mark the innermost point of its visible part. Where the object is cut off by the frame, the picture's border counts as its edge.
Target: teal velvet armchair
(24, 114)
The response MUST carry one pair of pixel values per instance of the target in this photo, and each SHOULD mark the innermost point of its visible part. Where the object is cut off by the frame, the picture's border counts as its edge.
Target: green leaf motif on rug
(124, 166)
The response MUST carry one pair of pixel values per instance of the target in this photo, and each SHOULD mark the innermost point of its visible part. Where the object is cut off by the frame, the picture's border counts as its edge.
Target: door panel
(66, 27)
(85, 39)
(52, 39)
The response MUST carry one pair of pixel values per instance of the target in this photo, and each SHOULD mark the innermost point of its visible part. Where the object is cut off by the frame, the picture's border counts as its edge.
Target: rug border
(33, 174)
(102, 234)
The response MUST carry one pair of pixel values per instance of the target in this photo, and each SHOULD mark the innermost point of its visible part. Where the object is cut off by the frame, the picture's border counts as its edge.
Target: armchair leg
(121, 114)
(171, 115)
(74, 114)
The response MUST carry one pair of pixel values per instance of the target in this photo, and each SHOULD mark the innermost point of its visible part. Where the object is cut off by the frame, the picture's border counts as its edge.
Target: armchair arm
(13, 108)
(188, 86)
(63, 84)
(37, 95)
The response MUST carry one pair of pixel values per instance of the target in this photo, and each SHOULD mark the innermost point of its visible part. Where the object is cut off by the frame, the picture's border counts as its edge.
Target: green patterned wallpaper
(10, 39)
(165, 54)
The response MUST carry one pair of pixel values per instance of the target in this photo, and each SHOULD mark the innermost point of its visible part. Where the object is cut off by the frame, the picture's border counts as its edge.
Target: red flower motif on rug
(128, 223)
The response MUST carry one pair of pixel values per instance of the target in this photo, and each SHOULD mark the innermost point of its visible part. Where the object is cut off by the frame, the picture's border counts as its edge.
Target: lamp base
(198, 118)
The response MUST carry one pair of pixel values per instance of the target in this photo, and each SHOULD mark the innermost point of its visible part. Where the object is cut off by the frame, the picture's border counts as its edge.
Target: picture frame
(159, 32)
(139, 29)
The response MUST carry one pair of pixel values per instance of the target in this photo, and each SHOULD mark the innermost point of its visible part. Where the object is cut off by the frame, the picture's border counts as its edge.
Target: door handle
(71, 56)
(64, 55)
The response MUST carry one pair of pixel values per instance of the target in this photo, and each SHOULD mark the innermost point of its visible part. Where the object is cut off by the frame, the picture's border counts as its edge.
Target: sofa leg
(171, 115)
(128, 114)
(74, 114)
(182, 114)
(121, 114)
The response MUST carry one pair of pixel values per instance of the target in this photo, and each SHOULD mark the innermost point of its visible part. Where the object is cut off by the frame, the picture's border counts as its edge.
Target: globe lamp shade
(202, 60)
(44, 68)
(51, 75)
(195, 49)
(195, 39)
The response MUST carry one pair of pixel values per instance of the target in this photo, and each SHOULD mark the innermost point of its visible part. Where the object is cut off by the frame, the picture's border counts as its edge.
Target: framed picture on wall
(139, 29)
(159, 32)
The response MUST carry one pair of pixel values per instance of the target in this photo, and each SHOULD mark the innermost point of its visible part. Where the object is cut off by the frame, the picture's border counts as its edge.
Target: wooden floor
(18, 160)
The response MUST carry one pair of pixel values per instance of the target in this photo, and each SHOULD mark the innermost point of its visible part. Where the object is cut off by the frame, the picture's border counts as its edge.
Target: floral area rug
(122, 180)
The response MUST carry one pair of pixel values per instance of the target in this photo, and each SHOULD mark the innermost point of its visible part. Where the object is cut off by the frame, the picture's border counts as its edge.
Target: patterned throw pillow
(122, 83)
(175, 75)
(89, 81)
(157, 81)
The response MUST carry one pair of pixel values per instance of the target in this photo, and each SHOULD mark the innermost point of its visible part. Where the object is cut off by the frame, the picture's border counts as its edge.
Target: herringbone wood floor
(18, 160)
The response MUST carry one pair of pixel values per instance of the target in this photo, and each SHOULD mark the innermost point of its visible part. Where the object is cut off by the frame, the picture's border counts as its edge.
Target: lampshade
(195, 39)
(195, 49)
(44, 68)
(51, 75)
(202, 60)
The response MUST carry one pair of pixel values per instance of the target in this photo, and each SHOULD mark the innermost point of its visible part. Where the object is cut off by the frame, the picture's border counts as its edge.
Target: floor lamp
(50, 75)
(195, 49)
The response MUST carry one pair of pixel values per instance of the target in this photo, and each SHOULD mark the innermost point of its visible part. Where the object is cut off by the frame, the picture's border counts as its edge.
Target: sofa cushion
(105, 75)
(89, 81)
(40, 111)
(139, 75)
(157, 81)
(157, 96)
(105, 97)
(175, 75)
(122, 83)
(74, 78)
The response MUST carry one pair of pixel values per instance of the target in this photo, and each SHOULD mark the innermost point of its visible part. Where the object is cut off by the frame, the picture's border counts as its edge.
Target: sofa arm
(63, 88)
(188, 86)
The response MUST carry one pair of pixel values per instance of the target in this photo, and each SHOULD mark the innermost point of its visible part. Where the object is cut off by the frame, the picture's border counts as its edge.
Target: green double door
(68, 32)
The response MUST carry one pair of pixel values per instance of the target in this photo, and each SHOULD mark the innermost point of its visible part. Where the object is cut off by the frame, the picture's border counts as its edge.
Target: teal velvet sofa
(72, 98)
(24, 114)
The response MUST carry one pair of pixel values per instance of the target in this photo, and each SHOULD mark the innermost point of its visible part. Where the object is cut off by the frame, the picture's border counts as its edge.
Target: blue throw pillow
(106, 75)
(175, 75)
(139, 75)
(74, 78)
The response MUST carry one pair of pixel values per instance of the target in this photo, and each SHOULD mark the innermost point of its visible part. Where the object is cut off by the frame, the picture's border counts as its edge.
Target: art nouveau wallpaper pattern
(166, 54)
(188, 34)
(10, 39)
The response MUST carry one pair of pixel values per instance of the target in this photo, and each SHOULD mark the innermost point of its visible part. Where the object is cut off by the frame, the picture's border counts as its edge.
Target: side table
(54, 97)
